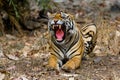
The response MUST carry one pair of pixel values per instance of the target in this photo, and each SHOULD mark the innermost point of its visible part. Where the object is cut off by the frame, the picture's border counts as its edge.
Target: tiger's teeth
(53, 27)
(59, 26)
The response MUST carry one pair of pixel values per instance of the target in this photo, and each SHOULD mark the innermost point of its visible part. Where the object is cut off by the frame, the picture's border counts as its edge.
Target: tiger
(68, 42)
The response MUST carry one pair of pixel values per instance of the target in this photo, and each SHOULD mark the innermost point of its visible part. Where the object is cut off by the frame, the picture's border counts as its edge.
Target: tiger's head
(61, 25)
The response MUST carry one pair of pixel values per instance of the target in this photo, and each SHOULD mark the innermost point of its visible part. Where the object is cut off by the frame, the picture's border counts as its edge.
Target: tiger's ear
(64, 15)
(50, 15)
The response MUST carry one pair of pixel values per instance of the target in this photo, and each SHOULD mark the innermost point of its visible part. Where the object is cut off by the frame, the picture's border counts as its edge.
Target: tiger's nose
(55, 21)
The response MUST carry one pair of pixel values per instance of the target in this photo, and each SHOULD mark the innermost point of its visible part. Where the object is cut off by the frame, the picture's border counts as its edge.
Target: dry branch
(17, 25)
(1, 26)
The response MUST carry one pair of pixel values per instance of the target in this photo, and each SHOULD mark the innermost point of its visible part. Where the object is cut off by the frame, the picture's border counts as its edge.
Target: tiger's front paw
(69, 66)
(53, 66)
(53, 63)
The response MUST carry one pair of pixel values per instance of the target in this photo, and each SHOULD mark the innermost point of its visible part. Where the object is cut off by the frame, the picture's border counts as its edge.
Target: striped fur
(89, 34)
(67, 41)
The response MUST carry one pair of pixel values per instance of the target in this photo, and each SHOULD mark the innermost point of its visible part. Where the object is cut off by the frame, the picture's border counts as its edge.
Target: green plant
(14, 10)
(45, 4)
(14, 5)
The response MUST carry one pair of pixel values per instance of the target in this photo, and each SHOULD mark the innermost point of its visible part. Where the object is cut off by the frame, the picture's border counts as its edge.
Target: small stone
(10, 37)
(23, 77)
(1, 52)
(97, 51)
(59, 0)
(2, 76)
(97, 60)
(71, 78)
(117, 33)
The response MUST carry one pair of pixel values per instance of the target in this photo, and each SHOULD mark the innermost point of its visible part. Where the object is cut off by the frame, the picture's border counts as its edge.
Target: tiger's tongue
(59, 34)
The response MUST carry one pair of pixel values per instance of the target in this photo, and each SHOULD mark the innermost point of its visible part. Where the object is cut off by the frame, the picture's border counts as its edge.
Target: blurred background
(21, 15)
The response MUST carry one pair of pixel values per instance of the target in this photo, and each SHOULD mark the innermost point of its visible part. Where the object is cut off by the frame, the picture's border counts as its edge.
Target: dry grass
(107, 41)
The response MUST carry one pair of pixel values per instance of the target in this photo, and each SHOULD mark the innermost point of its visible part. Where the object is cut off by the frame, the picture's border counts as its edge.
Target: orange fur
(53, 62)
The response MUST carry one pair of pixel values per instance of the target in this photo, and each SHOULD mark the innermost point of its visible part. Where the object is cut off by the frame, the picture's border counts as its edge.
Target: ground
(96, 68)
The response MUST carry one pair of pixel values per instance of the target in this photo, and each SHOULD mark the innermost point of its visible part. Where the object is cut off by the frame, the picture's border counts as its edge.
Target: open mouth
(59, 32)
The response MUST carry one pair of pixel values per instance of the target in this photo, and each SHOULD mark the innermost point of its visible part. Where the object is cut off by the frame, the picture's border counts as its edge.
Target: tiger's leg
(53, 62)
(73, 63)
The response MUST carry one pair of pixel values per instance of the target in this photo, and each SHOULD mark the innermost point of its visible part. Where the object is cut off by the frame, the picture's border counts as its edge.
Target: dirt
(107, 68)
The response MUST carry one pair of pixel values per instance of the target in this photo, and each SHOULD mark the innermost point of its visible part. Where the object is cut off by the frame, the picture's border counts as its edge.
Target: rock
(1, 51)
(97, 49)
(32, 24)
(2, 76)
(68, 75)
(33, 4)
(23, 77)
(97, 52)
(10, 37)
(76, 2)
(12, 57)
(117, 33)
(97, 59)
(59, 1)
(71, 78)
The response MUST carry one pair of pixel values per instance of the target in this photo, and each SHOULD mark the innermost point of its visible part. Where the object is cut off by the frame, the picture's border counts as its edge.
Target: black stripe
(56, 52)
(90, 25)
(59, 47)
(75, 50)
(53, 54)
(76, 55)
(76, 40)
(87, 26)
(68, 40)
(88, 34)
